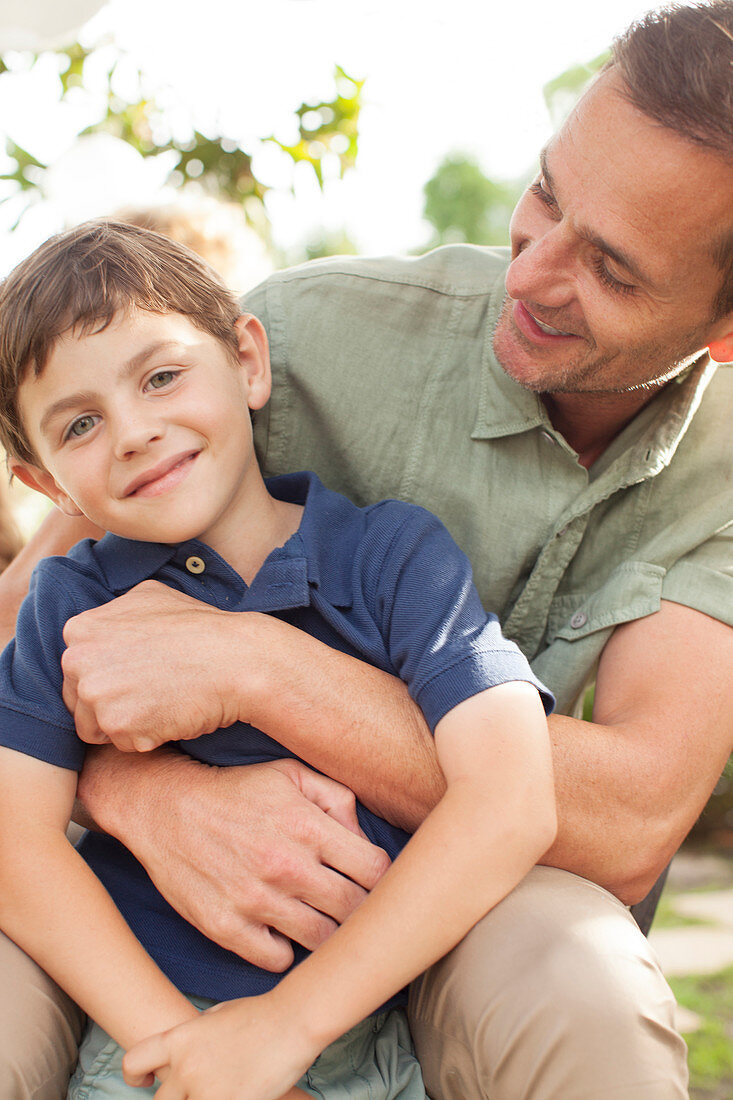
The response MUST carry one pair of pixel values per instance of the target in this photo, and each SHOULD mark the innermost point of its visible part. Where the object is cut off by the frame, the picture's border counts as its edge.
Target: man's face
(612, 280)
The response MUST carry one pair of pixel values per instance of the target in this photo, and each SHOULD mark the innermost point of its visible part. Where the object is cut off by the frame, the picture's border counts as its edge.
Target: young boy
(127, 380)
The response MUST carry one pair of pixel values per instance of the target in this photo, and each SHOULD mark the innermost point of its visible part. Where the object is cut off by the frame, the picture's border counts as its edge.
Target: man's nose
(542, 269)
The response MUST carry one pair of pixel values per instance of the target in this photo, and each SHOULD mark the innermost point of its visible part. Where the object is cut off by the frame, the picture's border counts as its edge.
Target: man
(580, 456)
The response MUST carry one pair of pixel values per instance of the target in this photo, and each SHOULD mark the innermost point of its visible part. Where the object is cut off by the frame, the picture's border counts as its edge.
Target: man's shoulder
(459, 270)
(709, 429)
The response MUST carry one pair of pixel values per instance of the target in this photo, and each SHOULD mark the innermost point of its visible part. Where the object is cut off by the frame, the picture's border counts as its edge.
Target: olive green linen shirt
(385, 384)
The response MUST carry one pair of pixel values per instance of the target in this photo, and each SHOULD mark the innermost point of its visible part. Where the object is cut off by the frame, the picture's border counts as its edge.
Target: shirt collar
(506, 408)
(329, 520)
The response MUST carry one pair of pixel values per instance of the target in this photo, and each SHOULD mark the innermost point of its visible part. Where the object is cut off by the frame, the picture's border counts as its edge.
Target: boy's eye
(82, 425)
(161, 379)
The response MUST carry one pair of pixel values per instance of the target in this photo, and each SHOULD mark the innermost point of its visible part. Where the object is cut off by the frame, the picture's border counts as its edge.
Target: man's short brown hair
(80, 280)
(676, 65)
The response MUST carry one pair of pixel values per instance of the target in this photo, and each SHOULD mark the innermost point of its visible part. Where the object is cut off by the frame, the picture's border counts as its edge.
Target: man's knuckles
(252, 941)
(281, 866)
(377, 863)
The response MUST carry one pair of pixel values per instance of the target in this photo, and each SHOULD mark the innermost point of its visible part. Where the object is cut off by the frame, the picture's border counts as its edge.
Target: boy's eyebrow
(617, 254)
(86, 397)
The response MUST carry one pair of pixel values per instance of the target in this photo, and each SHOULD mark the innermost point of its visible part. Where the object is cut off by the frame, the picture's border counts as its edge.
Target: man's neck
(591, 421)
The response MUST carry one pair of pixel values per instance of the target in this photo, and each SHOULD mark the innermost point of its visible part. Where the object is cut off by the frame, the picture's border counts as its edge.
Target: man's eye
(539, 190)
(81, 426)
(161, 379)
(609, 280)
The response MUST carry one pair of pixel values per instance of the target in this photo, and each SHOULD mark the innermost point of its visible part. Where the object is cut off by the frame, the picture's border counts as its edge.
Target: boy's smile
(144, 427)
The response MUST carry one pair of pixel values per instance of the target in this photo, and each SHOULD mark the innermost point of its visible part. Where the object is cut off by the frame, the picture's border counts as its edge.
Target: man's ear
(40, 480)
(721, 346)
(721, 350)
(254, 358)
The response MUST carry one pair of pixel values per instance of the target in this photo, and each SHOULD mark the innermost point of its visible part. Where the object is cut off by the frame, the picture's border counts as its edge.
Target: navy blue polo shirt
(385, 583)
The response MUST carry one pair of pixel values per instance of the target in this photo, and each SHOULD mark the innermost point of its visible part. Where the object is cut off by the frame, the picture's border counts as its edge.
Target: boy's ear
(254, 358)
(40, 480)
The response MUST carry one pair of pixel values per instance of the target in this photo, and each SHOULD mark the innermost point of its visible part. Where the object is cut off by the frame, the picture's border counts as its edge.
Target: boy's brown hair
(80, 280)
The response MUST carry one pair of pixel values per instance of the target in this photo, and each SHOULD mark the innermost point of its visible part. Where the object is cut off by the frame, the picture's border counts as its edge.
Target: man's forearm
(631, 784)
(603, 825)
(351, 721)
(56, 535)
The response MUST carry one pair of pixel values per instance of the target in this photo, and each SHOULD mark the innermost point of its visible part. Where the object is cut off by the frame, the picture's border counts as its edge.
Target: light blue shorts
(374, 1061)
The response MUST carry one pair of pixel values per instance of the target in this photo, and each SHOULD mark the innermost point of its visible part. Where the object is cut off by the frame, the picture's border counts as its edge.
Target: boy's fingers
(141, 1061)
(171, 1091)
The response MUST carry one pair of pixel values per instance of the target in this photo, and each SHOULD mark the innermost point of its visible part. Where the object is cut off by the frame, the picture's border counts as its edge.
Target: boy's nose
(134, 435)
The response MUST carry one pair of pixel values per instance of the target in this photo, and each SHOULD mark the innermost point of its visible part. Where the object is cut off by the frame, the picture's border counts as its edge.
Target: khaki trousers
(555, 995)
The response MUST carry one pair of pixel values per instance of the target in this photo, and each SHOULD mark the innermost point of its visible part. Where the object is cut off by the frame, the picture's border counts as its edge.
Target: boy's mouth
(162, 477)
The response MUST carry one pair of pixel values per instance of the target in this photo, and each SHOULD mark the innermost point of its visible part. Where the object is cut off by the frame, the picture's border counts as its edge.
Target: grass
(711, 1046)
(667, 916)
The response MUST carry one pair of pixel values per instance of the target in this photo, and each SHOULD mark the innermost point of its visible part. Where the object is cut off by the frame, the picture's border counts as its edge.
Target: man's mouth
(535, 328)
(166, 475)
(548, 328)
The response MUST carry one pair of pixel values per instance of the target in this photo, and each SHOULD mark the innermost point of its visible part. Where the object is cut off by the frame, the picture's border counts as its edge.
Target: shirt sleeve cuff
(472, 675)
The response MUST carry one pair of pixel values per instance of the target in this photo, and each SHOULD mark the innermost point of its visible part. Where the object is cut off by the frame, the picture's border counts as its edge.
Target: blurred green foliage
(326, 130)
(710, 1047)
(563, 91)
(464, 205)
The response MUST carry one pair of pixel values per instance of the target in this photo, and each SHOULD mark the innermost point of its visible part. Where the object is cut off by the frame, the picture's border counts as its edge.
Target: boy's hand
(239, 1050)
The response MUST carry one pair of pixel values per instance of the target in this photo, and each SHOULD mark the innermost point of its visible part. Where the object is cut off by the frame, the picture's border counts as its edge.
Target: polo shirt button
(579, 619)
(547, 435)
(195, 565)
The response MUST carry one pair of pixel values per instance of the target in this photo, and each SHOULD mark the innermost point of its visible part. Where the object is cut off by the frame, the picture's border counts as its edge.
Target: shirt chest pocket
(632, 590)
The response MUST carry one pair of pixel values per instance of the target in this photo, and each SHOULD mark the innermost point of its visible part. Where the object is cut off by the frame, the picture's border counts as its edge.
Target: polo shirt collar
(283, 581)
(506, 408)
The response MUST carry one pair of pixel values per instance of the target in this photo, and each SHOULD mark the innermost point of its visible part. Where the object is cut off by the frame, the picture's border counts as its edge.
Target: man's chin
(516, 361)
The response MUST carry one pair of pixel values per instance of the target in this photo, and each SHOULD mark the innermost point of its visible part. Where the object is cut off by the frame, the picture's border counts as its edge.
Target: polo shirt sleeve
(33, 717)
(440, 640)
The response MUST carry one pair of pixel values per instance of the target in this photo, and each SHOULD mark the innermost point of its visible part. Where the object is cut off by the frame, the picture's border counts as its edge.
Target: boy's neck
(252, 528)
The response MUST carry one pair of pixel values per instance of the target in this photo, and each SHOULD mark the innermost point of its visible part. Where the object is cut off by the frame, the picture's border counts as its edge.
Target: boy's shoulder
(364, 546)
(381, 521)
(90, 574)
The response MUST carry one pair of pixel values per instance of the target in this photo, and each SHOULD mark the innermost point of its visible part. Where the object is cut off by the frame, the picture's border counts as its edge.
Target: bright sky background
(455, 75)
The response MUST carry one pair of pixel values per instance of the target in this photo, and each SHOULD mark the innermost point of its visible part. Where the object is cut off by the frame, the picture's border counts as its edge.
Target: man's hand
(252, 856)
(151, 666)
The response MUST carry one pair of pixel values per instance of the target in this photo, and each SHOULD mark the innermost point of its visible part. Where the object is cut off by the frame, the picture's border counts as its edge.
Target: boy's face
(144, 427)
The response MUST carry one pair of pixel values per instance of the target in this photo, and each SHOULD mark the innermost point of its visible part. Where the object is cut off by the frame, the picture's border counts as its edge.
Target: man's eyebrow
(89, 397)
(618, 255)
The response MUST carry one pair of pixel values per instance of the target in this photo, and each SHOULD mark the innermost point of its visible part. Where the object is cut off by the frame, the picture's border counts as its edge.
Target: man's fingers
(302, 923)
(332, 797)
(353, 856)
(259, 944)
(86, 725)
(328, 894)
